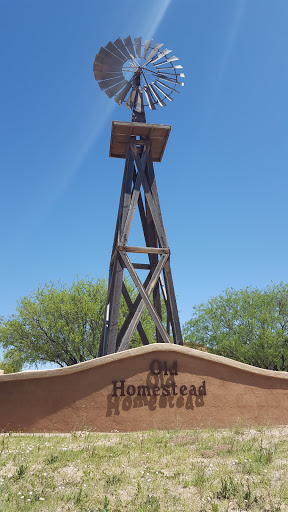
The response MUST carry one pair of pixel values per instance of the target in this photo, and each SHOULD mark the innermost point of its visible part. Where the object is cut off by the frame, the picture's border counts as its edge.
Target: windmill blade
(120, 45)
(163, 92)
(137, 43)
(122, 95)
(131, 99)
(146, 48)
(167, 86)
(105, 84)
(172, 59)
(149, 98)
(166, 73)
(116, 88)
(129, 46)
(168, 79)
(109, 57)
(109, 64)
(139, 101)
(110, 46)
(160, 101)
(155, 50)
(161, 55)
(103, 75)
(169, 67)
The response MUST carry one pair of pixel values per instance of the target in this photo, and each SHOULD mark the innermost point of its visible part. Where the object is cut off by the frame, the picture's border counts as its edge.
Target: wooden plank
(114, 308)
(153, 206)
(152, 241)
(175, 322)
(144, 250)
(126, 225)
(141, 266)
(127, 191)
(129, 317)
(145, 301)
(131, 308)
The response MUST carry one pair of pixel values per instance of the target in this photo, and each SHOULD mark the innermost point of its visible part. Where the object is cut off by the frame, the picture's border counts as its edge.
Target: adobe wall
(156, 386)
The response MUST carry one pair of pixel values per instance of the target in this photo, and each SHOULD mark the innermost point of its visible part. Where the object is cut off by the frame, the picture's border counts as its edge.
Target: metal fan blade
(155, 50)
(105, 84)
(146, 48)
(149, 98)
(161, 90)
(168, 67)
(103, 75)
(122, 95)
(168, 60)
(172, 58)
(129, 45)
(131, 99)
(139, 105)
(161, 102)
(110, 46)
(113, 90)
(168, 79)
(107, 63)
(171, 75)
(160, 56)
(137, 43)
(121, 46)
(107, 56)
(167, 86)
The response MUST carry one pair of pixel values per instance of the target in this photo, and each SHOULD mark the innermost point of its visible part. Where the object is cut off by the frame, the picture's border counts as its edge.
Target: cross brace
(139, 171)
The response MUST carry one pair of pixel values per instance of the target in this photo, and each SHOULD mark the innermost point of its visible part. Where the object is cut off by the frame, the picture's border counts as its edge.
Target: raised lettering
(156, 367)
(202, 389)
(192, 390)
(131, 390)
(174, 386)
(165, 391)
(173, 369)
(143, 389)
(183, 390)
(155, 391)
(115, 387)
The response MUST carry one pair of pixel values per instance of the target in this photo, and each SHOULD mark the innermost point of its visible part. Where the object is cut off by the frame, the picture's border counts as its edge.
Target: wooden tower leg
(139, 171)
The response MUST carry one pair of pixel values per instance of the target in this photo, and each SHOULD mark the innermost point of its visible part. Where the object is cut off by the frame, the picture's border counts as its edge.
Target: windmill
(141, 75)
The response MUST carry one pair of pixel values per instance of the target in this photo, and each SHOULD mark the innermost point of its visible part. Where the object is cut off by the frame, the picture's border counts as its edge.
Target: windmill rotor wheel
(125, 70)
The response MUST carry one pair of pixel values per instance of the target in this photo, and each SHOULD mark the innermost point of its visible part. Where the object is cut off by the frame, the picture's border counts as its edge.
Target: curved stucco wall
(156, 386)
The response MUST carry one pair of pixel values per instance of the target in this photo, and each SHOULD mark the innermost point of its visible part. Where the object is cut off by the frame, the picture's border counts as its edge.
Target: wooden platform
(121, 132)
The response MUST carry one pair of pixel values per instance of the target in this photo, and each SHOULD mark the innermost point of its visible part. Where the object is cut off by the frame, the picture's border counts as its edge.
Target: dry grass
(198, 470)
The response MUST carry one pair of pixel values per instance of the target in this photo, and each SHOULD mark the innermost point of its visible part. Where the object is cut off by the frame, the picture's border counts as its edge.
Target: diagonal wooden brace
(145, 300)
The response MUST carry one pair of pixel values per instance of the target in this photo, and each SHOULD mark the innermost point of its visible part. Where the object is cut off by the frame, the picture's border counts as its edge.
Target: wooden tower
(140, 144)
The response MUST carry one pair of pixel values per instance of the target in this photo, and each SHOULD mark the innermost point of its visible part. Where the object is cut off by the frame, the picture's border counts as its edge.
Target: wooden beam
(129, 317)
(145, 300)
(144, 250)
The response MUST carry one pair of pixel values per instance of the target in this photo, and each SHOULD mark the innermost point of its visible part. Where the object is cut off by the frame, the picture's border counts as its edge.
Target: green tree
(62, 325)
(249, 325)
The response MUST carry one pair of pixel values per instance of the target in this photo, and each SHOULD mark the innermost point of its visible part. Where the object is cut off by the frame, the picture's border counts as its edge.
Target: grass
(195, 471)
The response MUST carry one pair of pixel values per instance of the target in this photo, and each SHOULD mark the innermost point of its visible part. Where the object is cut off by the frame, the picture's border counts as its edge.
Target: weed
(20, 472)
(105, 506)
(52, 459)
(229, 488)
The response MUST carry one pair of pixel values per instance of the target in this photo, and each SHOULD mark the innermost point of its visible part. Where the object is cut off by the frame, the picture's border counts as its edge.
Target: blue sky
(223, 179)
